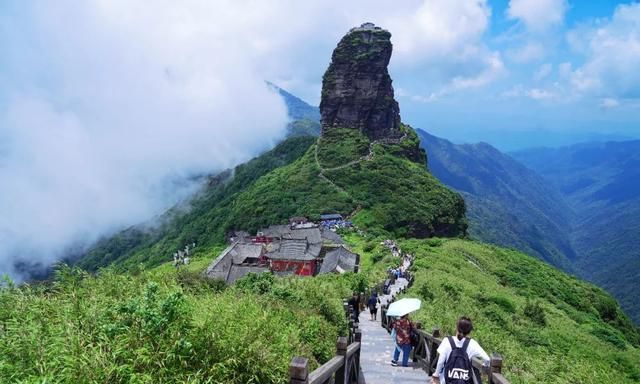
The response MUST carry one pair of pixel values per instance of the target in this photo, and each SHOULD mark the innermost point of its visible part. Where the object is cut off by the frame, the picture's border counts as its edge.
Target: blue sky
(108, 108)
(538, 98)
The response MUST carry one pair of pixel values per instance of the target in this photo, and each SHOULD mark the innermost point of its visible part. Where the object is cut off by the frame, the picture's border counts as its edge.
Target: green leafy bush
(167, 326)
(534, 312)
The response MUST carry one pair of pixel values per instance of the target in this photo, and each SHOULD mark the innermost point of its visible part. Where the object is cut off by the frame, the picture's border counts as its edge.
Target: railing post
(299, 371)
(358, 340)
(384, 321)
(341, 347)
(416, 349)
(495, 366)
(433, 351)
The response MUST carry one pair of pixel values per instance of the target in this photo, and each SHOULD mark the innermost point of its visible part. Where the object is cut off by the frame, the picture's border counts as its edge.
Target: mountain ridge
(508, 204)
(601, 183)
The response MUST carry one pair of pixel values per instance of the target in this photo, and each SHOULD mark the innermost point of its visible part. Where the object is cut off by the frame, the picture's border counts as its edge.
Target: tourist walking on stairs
(402, 328)
(372, 304)
(455, 355)
(354, 302)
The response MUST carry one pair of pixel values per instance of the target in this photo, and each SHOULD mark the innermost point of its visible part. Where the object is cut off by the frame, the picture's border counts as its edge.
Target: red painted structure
(261, 240)
(299, 267)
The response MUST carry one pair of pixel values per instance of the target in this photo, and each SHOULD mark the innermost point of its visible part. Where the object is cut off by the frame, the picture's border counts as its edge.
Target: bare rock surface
(356, 88)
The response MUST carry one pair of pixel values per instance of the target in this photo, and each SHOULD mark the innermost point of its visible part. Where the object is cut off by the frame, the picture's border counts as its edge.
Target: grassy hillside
(164, 326)
(508, 204)
(601, 182)
(549, 326)
(167, 326)
(388, 192)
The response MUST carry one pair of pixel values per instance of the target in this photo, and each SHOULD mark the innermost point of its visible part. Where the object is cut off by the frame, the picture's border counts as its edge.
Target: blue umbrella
(403, 306)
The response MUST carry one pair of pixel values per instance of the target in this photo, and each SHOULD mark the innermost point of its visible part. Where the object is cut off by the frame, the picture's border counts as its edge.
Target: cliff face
(356, 88)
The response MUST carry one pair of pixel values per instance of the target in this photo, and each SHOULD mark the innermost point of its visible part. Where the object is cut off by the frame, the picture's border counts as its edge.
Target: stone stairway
(377, 351)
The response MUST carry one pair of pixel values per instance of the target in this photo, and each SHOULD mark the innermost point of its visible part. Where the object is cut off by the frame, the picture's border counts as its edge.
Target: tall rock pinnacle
(356, 88)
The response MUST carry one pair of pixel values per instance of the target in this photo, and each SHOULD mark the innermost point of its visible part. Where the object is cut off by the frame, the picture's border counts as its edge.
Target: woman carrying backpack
(455, 355)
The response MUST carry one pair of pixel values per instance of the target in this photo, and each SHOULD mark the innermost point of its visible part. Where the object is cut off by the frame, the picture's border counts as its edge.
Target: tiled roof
(295, 249)
(241, 252)
(276, 230)
(330, 236)
(339, 258)
(239, 271)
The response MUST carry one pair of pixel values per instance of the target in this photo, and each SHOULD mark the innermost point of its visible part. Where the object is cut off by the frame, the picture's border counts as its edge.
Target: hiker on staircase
(455, 355)
(402, 329)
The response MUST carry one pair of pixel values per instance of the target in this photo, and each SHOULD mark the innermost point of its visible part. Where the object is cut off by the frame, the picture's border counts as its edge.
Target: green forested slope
(508, 204)
(601, 182)
(389, 192)
(167, 326)
(550, 327)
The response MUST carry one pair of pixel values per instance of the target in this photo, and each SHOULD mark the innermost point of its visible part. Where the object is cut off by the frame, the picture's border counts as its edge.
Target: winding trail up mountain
(377, 350)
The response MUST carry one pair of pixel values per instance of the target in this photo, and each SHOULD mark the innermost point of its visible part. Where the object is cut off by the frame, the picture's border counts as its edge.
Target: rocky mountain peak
(356, 88)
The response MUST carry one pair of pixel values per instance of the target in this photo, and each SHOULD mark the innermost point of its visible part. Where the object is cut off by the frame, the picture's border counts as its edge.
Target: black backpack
(458, 368)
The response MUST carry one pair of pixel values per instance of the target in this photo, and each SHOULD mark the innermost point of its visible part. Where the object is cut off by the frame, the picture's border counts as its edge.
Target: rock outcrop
(356, 88)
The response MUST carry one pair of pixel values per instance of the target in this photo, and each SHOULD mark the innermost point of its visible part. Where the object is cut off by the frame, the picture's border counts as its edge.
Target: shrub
(534, 312)
(435, 242)
(452, 291)
(196, 281)
(369, 246)
(259, 283)
(425, 292)
(377, 257)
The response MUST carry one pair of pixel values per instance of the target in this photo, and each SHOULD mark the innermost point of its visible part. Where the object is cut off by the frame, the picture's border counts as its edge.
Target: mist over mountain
(104, 123)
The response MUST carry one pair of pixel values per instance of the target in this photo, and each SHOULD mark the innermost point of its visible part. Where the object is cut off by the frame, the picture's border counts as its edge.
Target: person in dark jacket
(372, 304)
(354, 302)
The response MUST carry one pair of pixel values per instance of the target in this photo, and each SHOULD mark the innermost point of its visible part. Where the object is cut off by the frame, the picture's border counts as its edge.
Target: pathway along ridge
(377, 348)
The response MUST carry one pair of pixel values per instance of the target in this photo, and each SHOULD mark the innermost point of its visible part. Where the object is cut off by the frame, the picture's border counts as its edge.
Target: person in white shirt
(464, 328)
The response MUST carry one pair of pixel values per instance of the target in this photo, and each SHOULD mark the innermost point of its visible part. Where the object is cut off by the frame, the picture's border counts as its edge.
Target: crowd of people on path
(182, 257)
(455, 353)
(393, 247)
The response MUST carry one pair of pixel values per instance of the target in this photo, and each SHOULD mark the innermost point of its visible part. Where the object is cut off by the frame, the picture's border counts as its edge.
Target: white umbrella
(403, 306)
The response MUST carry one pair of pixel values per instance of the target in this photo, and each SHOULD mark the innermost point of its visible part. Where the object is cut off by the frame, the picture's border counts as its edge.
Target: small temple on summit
(301, 248)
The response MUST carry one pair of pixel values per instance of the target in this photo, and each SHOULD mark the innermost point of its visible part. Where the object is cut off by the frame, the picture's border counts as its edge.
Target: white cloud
(612, 55)
(540, 94)
(608, 103)
(543, 72)
(493, 67)
(436, 28)
(529, 52)
(538, 15)
(126, 107)
(551, 93)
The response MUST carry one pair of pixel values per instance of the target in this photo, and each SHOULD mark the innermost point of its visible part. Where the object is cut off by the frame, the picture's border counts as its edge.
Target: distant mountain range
(507, 203)
(305, 119)
(601, 183)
